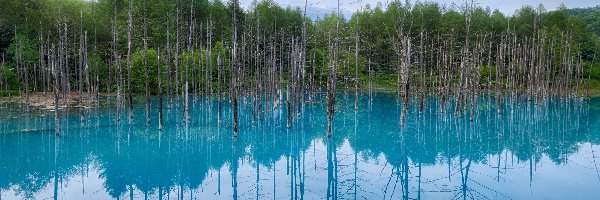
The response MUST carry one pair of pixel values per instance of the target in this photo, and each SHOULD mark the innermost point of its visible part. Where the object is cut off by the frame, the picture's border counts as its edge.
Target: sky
(321, 7)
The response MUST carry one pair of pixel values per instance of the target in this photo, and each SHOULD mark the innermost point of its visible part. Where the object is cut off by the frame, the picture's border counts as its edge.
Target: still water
(549, 151)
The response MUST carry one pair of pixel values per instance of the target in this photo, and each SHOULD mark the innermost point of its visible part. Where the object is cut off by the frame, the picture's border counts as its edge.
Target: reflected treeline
(132, 156)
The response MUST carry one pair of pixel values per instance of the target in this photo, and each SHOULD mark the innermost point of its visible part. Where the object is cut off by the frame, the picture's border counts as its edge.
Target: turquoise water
(550, 151)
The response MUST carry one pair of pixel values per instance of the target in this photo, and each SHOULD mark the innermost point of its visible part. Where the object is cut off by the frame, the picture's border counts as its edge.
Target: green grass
(388, 83)
(8, 93)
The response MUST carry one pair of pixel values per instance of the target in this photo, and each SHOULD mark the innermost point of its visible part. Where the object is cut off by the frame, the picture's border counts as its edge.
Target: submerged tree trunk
(168, 62)
(187, 66)
(86, 66)
(370, 81)
(80, 70)
(160, 98)
(356, 67)
(129, 35)
(332, 80)
(55, 81)
(219, 86)
(146, 66)
(116, 62)
(177, 53)
(65, 61)
(97, 75)
(234, 71)
(587, 91)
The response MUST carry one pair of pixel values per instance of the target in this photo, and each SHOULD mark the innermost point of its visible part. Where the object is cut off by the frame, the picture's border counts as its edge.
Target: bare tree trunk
(55, 74)
(370, 81)
(331, 83)
(303, 56)
(234, 71)
(80, 70)
(129, 35)
(405, 75)
(146, 65)
(97, 81)
(190, 53)
(160, 98)
(3, 75)
(65, 63)
(312, 75)
(219, 77)
(177, 26)
(86, 65)
(116, 62)
(587, 91)
(168, 62)
(499, 66)
(356, 80)
(26, 74)
(422, 64)
(23, 68)
(42, 65)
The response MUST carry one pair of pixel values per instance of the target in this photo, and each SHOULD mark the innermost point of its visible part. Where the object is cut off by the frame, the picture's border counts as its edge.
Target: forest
(185, 50)
(217, 99)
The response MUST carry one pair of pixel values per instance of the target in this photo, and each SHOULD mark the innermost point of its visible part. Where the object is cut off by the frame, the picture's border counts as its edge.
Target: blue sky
(322, 7)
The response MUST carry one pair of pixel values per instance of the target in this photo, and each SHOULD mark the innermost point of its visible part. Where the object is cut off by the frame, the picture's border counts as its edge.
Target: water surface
(548, 151)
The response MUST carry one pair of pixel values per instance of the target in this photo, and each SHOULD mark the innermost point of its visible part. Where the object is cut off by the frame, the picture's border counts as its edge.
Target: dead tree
(80, 70)
(422, 66)
(146, 65)
(303, 56)
(96, 74)
(41, 60)
(160, 98)
(403, 50)
(168, 61)
(234, 71)
(3, 75)
(187, 66)
(116, 62)
(129, 35)
(86, 65)
(55, 74)
(587, 91)
(65, 60)
(23, 68)
(370, 80)
(220, 92)
(499, 68)
(356, 49)
(332, 79)
(177, 26)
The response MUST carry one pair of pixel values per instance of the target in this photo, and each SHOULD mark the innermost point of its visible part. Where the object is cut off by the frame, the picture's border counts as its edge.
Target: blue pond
(549, 151)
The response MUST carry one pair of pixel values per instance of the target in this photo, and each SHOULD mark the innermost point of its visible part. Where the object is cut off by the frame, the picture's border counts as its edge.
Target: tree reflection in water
(523, 153)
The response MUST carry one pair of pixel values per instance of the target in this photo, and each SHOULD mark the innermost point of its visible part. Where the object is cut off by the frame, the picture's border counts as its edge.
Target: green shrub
(8, 78)
(8, 93)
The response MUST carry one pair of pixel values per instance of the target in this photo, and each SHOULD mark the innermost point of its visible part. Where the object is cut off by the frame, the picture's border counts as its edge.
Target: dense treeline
(591, 16)
(208, 49)
(264, 23)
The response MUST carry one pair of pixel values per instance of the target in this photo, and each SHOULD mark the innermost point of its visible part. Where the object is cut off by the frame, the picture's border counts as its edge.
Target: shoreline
(42, 101)
(73, 100)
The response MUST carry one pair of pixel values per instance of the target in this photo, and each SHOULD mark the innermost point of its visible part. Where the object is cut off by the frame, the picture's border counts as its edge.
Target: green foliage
(385, 80)
(138, 76)
(23, 47)
(8, 93)
(591, 16)
(593, 71)
(266, 21)
(8, 78)
(196, 62)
